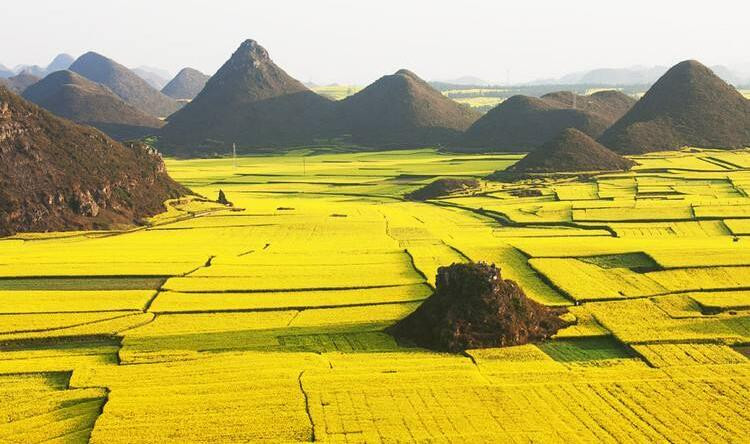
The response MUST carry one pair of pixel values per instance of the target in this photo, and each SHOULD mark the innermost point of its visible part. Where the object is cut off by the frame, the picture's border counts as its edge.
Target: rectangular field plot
(30, 322)
(585, 349)
(197, 302)
(80, 284)
(632, 214)
(73, 301)
(738, 227)
(642, 321)
(238, 278)
(107, 326)
(376, 314)
(61, 356)
(72, 269)
(584, 281)
(720, 301)
(670, 229)
(670, 355)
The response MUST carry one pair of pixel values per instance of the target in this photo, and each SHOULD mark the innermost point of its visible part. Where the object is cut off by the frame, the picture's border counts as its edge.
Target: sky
(357, 41)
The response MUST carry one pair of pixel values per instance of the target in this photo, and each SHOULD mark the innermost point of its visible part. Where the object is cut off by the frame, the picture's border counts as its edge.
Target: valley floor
(264, 321)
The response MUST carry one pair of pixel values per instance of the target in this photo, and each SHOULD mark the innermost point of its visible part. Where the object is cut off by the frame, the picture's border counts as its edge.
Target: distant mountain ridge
(636, 75)
(74, 97)
(20, 82)
(186, 84)
(125, 83)
(155, 77)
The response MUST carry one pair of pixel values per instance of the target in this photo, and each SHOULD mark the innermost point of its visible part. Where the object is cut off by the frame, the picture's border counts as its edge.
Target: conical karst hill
(125, 83)
(571, 151)
(76, 98)
(252, 102)
(186, 84)
(403, 110)
(523, 123)
(687, 106)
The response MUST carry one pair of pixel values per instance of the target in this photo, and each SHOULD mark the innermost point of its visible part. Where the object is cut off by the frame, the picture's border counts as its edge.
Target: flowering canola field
(264, 321)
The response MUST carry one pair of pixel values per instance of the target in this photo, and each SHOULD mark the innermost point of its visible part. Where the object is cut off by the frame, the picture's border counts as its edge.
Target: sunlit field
(264, 321)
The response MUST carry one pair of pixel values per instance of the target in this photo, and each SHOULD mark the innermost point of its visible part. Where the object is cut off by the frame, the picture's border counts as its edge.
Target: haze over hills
(19, 82)
(636, 75)
(467, 81)
(126, 84)
(186, 84)
(688, 106)
(523, 123)
(61, 61)
(610, 104)
(74, 97)
(571, 151)
(41, 186)
(403, 110)
(155, 77)
(5, 72)
(252, 102)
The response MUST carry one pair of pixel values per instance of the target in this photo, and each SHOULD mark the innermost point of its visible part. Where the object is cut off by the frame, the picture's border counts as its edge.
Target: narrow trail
(307, 406)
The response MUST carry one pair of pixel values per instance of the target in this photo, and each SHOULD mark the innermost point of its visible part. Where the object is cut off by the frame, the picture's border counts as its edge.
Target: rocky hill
(402, 110)
(125, 83)
(687, 106)
(523, 123)
(19, 82)
(186, 84)
(571, 151)
(74, 97)
(252, 102)
(57, 175)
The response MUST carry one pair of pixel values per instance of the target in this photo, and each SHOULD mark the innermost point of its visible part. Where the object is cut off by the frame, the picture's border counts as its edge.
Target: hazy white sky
(352, 41)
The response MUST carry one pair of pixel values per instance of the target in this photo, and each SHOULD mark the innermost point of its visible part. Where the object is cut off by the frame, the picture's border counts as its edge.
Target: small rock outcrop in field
(442, 187)
(687, 106)
(222, 199)
(473, 307)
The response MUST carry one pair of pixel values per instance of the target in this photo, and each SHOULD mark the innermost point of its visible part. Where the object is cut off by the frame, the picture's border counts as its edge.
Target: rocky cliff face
(473, 307)
(56, 175)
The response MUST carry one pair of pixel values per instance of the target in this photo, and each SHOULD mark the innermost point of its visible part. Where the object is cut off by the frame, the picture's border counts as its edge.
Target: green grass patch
(585, 349)
(82, 283)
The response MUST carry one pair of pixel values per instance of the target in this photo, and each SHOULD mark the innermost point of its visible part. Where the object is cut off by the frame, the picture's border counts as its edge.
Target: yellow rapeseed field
(264, 321)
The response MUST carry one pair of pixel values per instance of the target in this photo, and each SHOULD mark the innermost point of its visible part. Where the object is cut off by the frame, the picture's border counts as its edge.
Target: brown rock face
(473, 307)
(56, 175)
